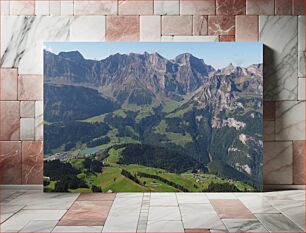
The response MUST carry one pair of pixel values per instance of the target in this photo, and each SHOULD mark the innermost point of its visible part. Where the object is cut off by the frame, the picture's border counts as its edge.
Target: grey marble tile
(42, 7)
(165, 226)
(190, 38)
(290, 120)
(258, 205)
(87, 28)
(8, 210)
(290, 195)
(301, 88)
(167, 7)
(279, 35)
(164, 213)
(278, 163)
(301, 46)
(75, 229)
(22, 40)
(163, 199)
(189, 198)
(39, 120)
(23, 217)
(242, 225)
(278, 223)
(39, 226)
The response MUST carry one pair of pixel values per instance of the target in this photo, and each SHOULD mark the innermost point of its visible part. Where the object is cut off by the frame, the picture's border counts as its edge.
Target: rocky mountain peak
(72, 55)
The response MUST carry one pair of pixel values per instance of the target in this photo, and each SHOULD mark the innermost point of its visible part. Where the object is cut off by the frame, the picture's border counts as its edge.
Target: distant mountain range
(183, 104)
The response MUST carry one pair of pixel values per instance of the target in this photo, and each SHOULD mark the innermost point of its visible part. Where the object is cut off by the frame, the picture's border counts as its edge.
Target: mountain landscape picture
(153, 117)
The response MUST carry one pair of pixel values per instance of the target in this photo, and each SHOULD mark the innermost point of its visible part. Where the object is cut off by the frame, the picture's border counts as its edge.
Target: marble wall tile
(22, 40)
(200, 25)
(122, 28)
(27, 109)
(27, 129)
(42, 7)
(277, 166)
(247, 28)
(190, 38)
(8, 84)
(55, 8)
(30, 87)
(192, 7)
(290, 120)
(135, 7)
(260, 7)
(22, 7)
(298, 162)
(39, 120)
(283, 7)
(5, 7)
(66, 7)
(269, 110)
(227, 38)
(32, 162)
(230, 7)
(177, 25)
(301, 47)
(150, 28)
(10, 162)
(87, 28)
(9, 120)
(107, 7)
(279, 35)
(166, 7)
(298, 7)
(221, 25)
(301, 88)
(269, 130)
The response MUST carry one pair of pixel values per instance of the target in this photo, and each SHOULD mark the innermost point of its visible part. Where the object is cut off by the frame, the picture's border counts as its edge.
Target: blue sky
(216, 54)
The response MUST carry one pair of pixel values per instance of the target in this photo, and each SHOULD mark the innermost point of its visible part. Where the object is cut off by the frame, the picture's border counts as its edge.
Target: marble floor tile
(96, 197)
(8, 210)
(39, 226)
(163, 199)
(90, 213)
(23, 217)
(301, 46)
(195, 230)
(192, 198)
(39, 200)
(158, 213)
(297, 195)
(278, 223)
(220, 196)
(165, 226)
(279, 35)
(4, 194)
(74, 229)
(199, 218)
(231, 209)
(237, 225)
(166, 7)
(258, 205)
(129, 195)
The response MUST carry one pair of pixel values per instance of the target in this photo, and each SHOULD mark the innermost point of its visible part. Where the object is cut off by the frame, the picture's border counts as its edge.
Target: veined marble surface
(22, 40)
(301, 46)
(280, 37)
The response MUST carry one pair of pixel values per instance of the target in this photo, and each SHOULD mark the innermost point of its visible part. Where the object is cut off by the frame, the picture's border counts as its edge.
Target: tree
(96, 189)
(61, 186)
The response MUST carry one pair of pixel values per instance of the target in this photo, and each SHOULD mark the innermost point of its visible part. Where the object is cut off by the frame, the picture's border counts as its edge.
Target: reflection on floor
(34, 211)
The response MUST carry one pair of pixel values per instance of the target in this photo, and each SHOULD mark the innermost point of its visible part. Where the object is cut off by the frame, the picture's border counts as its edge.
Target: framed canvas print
(153, 117)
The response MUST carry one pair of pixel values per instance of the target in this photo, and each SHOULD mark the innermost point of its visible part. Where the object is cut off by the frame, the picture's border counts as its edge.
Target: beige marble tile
(150, 29)
(22, 7)
(27, 129)
(66, 7)
(177, 25)
(27, 109)
(299, 162)
(290, 120)
(42, 7)
(5, 7)
(277, 166)
(55, 8)
(190, 38)
(39, 120)
(8, 84)
(166, 7)
(269, 130)
(135, 7)
(246, 28)
(260, 7)
(203, 7)
(122, 28)
(87, 28)
(200, 25)
(9, 120)
(30, 87)
(107, 7)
